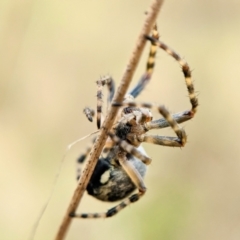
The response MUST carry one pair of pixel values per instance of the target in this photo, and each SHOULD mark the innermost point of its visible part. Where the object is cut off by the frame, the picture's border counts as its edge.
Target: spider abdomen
(110, 182)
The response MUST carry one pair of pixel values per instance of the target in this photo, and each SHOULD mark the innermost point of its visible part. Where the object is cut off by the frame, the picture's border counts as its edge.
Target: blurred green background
(51, 54)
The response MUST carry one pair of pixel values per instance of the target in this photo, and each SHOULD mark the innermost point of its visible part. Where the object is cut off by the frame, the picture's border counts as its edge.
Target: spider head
(135, 116)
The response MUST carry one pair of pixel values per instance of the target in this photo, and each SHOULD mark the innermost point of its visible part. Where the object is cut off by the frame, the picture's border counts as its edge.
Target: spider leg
(130, 149)
(178, 141)
(89, 113)
(111, 89)
(144, 80)
(131, 172)
(186, 71)
(162, 123)
(100, 84)
(112, 211)
(136, 179)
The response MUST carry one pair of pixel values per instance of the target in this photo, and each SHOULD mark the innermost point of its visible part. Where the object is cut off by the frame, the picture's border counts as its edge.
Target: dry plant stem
(98, 146)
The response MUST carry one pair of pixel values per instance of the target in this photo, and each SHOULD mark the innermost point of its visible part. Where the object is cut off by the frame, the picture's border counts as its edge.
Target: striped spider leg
(187, 74)
(144, 80)
(108, 81)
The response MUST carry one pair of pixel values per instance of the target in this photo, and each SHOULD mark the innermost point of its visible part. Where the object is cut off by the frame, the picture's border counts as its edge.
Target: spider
(122, 165)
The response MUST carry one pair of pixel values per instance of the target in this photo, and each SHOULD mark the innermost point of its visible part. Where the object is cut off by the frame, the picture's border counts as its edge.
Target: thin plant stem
(108, 122)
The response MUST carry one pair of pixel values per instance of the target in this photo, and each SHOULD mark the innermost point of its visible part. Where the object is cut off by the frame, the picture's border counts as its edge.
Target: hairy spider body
(122, 165)
(109, 181)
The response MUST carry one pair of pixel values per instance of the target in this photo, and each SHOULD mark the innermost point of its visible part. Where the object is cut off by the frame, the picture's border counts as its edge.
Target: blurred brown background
(51, 54)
